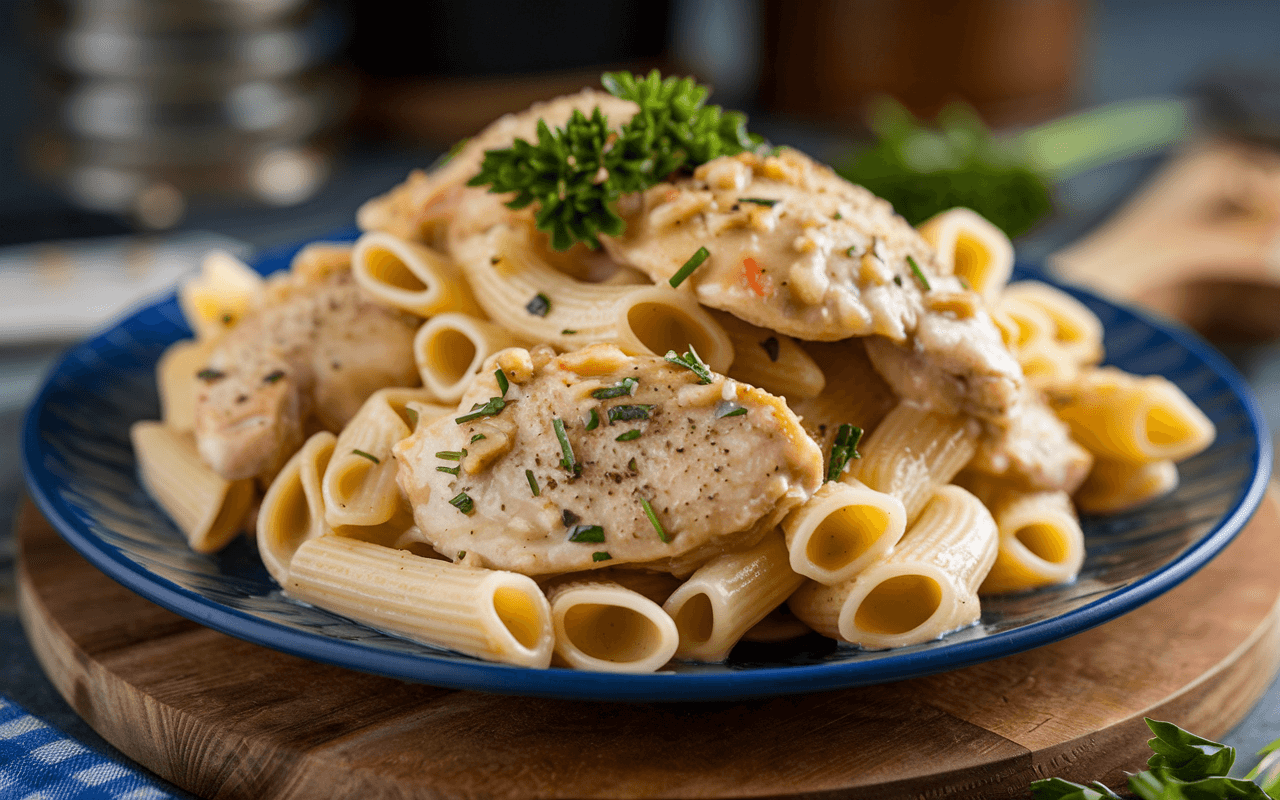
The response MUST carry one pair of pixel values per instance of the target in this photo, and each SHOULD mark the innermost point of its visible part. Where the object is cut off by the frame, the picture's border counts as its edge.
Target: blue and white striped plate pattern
(81, 472)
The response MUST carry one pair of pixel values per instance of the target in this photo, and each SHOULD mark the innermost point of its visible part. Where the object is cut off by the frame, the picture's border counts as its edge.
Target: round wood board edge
(223, 718)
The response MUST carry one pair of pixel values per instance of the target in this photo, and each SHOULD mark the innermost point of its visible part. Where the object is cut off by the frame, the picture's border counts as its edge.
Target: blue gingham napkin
(38, 763)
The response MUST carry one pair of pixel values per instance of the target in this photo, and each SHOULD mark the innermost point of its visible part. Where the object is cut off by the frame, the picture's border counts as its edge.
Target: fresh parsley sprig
(575, 174)
(1183, 766)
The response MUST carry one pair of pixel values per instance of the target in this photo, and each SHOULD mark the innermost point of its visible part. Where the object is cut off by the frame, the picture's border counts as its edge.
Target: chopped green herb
(462, 501)
(653, 520)
(760, 201)
(692, 362)
(631, 465)
(567, 332)
(451, 455)
(489, 409)
(843, 448)
(412, 414)
(593, 420)
(533, 482)
(450, 470)
(566, 459)
(695, 261)
(586, 533)
(771, 347)
(274, 376)
(601, 556)
(227, 319)
(207, 374)
(919, 275)
(964, 283)
(461, 555)
(625, 387)
(629, 436)
(727, 409)
(503, 385)
(851, 251)
(837, 216)
(539, 306)
(568, 518)
(369, 456)
(897, 279)
(629, 413)
(575, 174)
(478, 437)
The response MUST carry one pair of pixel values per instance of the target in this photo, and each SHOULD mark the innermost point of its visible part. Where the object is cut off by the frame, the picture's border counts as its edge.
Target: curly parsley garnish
(576, 174)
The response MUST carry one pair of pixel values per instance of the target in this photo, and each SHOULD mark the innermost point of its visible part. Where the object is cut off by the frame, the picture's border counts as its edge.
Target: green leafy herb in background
(576, 174)
(1183, 766)
(924, 169)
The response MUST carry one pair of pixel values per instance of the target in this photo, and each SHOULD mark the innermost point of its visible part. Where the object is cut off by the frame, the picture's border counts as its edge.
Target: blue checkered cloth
(38, 763)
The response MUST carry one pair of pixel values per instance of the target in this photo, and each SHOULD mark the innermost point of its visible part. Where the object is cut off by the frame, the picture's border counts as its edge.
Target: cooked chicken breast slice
(305, 361)
(719, 464)
(1035, 452)
(797, 249)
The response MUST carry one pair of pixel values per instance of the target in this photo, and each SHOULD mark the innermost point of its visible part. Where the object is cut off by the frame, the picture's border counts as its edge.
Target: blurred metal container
(149, 104)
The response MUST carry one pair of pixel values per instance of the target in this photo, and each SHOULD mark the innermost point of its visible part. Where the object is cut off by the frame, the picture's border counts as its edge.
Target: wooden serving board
(228, 719)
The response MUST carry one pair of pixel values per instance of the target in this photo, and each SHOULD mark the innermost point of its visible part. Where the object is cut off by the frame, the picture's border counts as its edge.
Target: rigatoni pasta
(841, 529)
(925, 588)
(359, 484)
(208, 508)
(292, 511)
(971, 248)
(605, 627)
(914, 451)
(730, 594)
(1132, 418)
(409, 276)
(498, 616)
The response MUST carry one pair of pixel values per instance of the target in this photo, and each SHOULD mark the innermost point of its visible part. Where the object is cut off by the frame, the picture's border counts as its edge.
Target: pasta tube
(1041, 543)
(854, 392)
(292, 511)
(497, 616)
(1115, 486)
(449, 349)
(728, 595)
(410, 276)
(658, 319)
(605, 627)
(841, 529)
(972, 248)
(1076, 329)
(359, 485)
(913, 452)
(532, 299)
(925, 588)
(223, 292)
(770, 361)
(177, 383)
(207, 508)
(1132, 418)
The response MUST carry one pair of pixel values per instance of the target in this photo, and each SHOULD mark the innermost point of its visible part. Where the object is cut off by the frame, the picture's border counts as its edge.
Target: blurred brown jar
(1013, 60)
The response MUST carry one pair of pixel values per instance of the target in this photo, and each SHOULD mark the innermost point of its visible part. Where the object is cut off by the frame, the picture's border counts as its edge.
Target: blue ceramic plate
(81, 472)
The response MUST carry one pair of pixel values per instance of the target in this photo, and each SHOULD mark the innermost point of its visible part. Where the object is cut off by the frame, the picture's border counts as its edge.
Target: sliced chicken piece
(795, 248)
(718, 463)
(305, 361)
(1035, 452)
